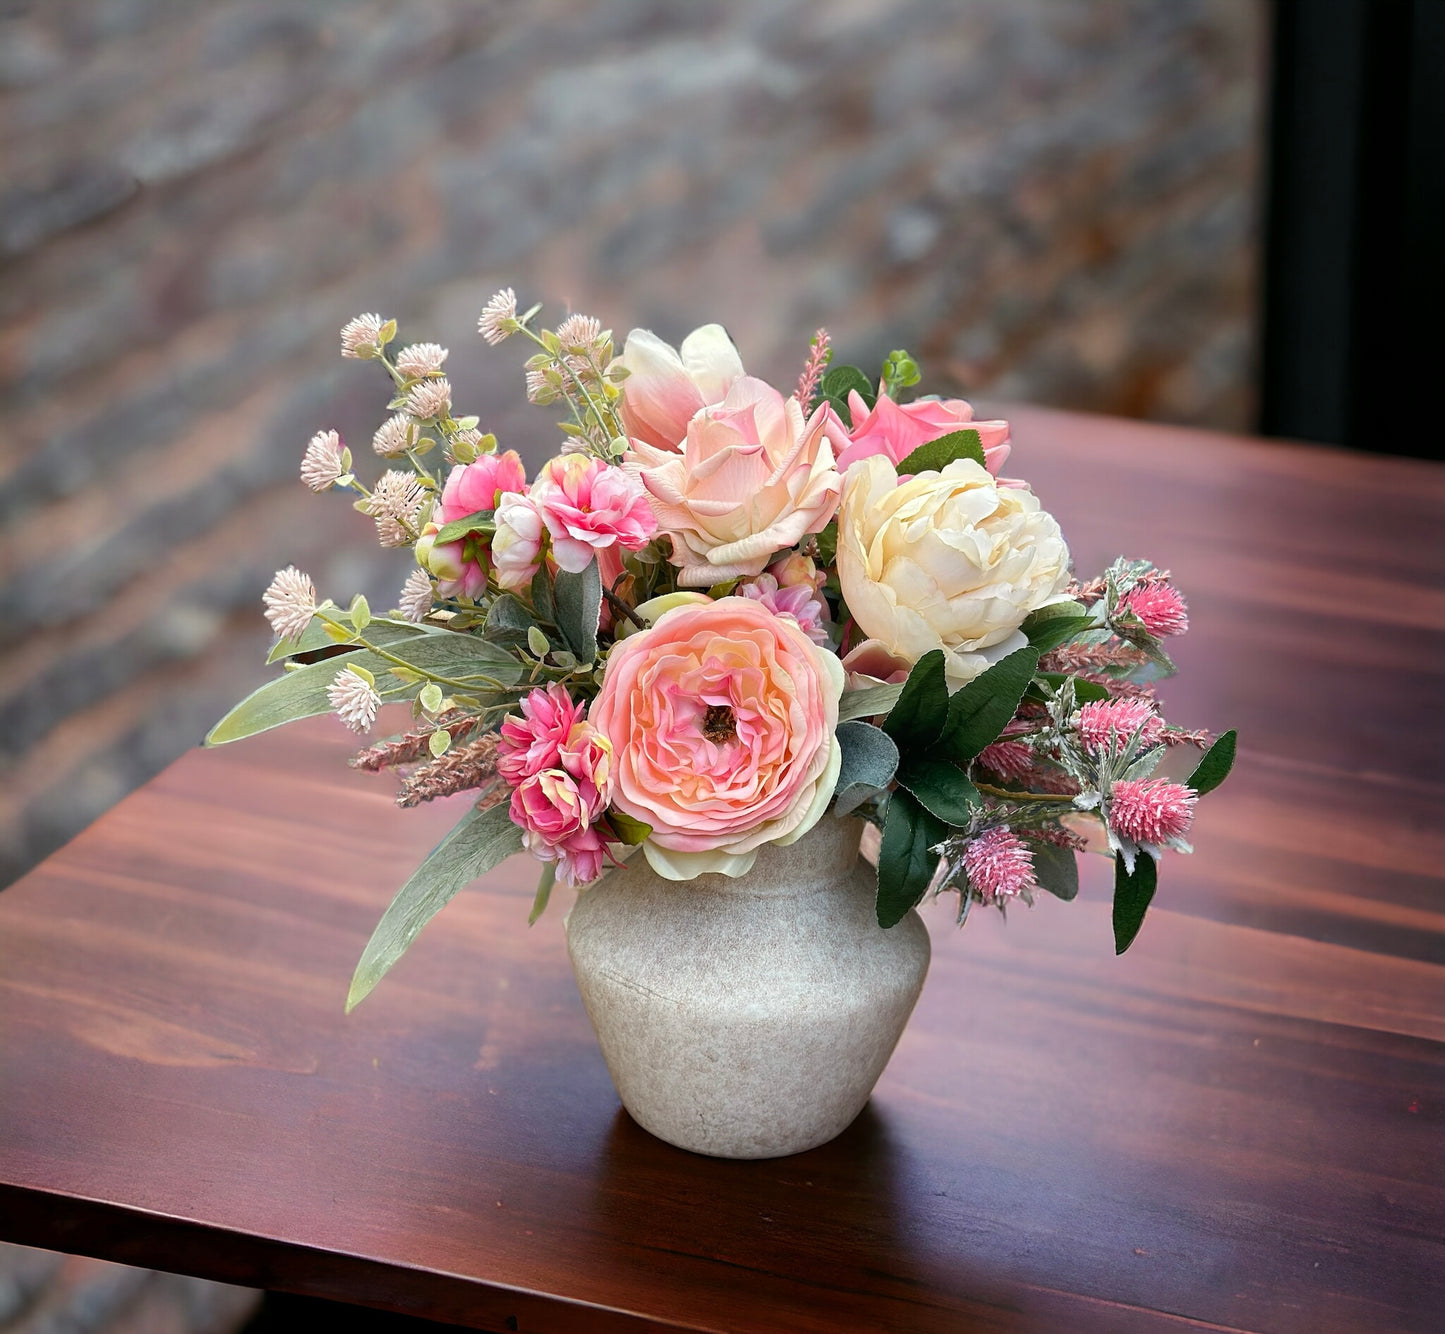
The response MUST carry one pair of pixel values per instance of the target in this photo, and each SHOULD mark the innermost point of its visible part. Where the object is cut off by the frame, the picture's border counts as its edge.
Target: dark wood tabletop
(1239, 1125)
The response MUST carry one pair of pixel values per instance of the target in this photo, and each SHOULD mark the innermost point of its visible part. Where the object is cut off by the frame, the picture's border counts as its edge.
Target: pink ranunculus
(460, 568)
(471, 487)
(517, 543)
(753, 478)
(721, 718)
(588, 505)
(665, 389)
(532, 740)
(587, 756)
(897, 429)
(549, 806)
(579, 856)
(802, 602)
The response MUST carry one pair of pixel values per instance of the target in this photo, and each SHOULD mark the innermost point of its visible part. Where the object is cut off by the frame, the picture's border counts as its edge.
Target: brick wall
(1044, 200)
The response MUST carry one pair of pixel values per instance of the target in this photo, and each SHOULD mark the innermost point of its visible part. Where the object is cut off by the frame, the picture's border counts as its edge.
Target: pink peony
(588, 505)
(897, 429)
(549, 806)
(517, 543)
(998, 864)
(532, 741)
(802, 602)
(1107, 721)
(663, 390)
(1159, 605)
(1151, 810)
(752, 479)
(471, 487)
(721, 719)
(579, 856)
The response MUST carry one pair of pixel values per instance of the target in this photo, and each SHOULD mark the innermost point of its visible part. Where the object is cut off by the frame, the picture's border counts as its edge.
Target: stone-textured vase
(748, 1017)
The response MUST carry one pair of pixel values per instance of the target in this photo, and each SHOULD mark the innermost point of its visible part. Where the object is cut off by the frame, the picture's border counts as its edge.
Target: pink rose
(532, 740)
(517, 543)
(471, 487)
(549, 806)
(802, 602)
(588, 505)
(721, 718)
(753, 478)
(663, 390)
(897, 429)
(579, 856)
(796, 568)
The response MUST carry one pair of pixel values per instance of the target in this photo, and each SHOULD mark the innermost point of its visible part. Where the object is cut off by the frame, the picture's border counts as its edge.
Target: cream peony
(945, 560)
(752, 479)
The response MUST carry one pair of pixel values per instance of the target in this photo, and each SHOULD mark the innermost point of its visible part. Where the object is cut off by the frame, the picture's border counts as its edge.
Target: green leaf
(478, 522)
(543, 602)
(479, 842)
(870, 759)
(919, 717)
(1131, 897)
(1214, 768)
(1055, 868)
(941, 786)
(828, 543)
(545, 882)
(629, 830)
(383, 630)
(983, 708)
(508, 620)
(936, 455)
(1056, 624)
(302, 693)
(840, 381)
(430, 697)
(579, 608)
(438, 742)
(906, 860)
(868, 702)
(1085, 692)
(900, 371)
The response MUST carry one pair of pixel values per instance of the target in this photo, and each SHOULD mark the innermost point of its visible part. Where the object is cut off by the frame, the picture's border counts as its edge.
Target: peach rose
(721, 718)
(665, 389)
(753, 478)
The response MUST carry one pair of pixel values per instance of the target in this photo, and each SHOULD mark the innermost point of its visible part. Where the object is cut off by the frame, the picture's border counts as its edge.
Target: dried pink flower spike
(1008, 759)
(1118, 719)
(1160, 606)
(1151, 810)
(290, 602)
(998, 864)
(813, 369)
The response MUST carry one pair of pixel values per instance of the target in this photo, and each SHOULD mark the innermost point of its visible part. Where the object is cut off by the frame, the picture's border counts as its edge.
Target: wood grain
(1236, 1126)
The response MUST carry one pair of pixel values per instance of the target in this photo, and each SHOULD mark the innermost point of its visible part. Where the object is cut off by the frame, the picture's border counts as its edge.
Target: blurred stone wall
(1044, 200)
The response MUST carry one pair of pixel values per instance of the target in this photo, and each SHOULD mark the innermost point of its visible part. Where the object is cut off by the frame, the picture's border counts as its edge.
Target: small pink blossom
(796, 568)
(459, 568)
(549, 806)
(517, 543)
(897, 429)
(1008, 759)
(579, 857)
(588, 505)
(587, 756)
(1151, 810)
(998, 864)
(1159, 605)
(532, 741)
(471, 487)
(1113, 721)
(802, 602)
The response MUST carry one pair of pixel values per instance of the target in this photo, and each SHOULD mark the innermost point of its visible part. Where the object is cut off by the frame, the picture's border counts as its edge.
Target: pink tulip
(897, 429)
(665, 389)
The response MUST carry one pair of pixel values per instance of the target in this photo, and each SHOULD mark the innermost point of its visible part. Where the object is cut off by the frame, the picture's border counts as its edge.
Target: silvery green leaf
(383, 630)
(870, 759)
(579, 609)
(545, 882)
(870, 702)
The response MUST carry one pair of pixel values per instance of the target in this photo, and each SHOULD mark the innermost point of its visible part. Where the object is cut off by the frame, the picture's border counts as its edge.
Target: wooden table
(1239, 1125)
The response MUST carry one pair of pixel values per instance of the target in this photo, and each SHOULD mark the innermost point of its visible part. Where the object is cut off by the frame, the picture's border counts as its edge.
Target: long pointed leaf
(981, 710)
(906, 860)
(579, 609)
(1132, 894)
(1214, 768)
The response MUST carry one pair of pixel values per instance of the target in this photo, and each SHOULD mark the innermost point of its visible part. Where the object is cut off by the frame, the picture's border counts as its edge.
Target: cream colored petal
(712, 361)
(672, 865)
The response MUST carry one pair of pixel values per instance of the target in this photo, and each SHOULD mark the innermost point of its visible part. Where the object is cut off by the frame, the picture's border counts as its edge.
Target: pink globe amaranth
(473, 487)
(532, 740)
(549, 805)
(1160, 606)
(897, 429)
(665, 388)
(1116, 720)
(589, 505)
(1151, 810)
(721, 718)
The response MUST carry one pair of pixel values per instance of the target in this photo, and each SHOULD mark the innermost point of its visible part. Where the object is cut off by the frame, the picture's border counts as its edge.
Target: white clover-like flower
(417, 596)
(577, 333)
(430, 398)
(354, 699)
(393, 504)
(324, 463)
(499, 317)
(290, 602)
(394, 436)
(421, 359)
(540, 388)
(361, 337)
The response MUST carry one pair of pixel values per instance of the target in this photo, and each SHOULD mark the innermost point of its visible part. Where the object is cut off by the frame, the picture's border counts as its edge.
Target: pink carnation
(532, 742)
(1160, 606)
(587, 756)
(998, 864)
(579, 857)
(1151, 810)
(897, 429)
(1116, 720)
(471, 487)
(800, 601)
(589, 505)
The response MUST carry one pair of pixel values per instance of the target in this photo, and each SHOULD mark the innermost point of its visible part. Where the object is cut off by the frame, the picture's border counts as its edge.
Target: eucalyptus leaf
(906, 860)
(869, 702)
(983, 708)
(383, 630)
(579, 609)
(936, 455)
(870, 759)
(543, 602)
(921, 714)
(479, 842)
(941, 786)
(1214, 768)
(1056, 869)
(509, 620)
(1132, 894)
(545, 882)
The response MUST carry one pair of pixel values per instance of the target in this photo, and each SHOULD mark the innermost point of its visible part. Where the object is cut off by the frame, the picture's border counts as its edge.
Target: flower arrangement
(724, 614)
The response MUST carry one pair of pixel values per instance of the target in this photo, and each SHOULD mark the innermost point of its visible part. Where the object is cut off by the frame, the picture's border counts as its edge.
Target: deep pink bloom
(589, 505)
(579, 856)
(532, 741)
(471, 487)
(587, 756)
(897, 429)
(1008, 759)
(549, 806)
(998, 864)
(1151, 810)
(1118, 719)
(800, 601)
(1159, 605)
